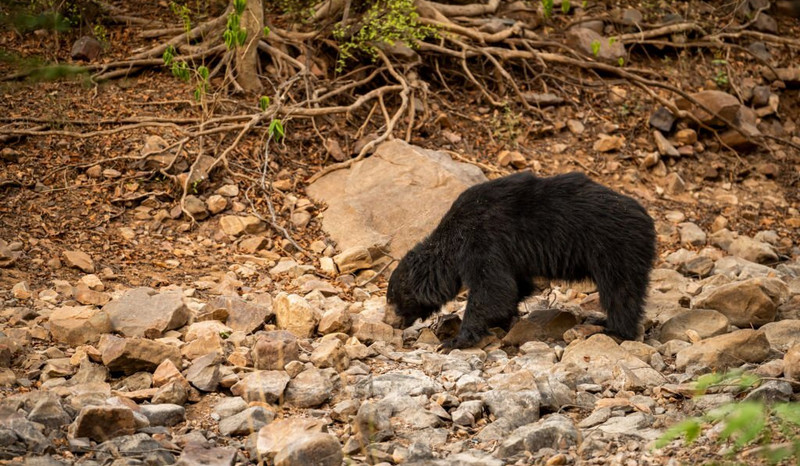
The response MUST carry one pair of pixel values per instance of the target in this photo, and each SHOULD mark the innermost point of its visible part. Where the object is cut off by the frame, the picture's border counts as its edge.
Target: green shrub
(384, 22)
(743, 424)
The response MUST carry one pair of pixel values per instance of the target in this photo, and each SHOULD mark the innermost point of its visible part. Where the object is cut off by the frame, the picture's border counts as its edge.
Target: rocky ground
(281, 359)
(131, 333)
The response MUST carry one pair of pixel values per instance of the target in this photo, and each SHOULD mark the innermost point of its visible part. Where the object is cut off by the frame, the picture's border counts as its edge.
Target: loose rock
(293, 313)
(246, 422)
(745, 303)
(264, 386)
(79, 260)
(275, 436)
(147, 312)
(79, 325)
(102, 423)
(725, 351)
(706, 322)
(131, 355)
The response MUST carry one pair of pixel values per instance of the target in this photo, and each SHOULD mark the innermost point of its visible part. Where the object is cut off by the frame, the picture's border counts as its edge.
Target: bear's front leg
(491, 303)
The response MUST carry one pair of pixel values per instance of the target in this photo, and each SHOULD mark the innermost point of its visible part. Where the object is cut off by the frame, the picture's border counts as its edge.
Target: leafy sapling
(742, 423)
(595, 47)
(547, 8)
(275, 129)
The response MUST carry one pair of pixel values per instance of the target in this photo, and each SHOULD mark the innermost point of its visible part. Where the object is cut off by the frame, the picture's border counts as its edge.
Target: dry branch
(90, 134)
(390, 123)
(184, 38)
(662, 31)
(474, 9)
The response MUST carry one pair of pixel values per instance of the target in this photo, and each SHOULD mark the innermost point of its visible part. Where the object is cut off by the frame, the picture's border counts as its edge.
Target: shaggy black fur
(500, 234)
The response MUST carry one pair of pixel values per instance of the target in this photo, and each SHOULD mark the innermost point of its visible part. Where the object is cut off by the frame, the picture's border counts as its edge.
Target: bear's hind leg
(623, 301)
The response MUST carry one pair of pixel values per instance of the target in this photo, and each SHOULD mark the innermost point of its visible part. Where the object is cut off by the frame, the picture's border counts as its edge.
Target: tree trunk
(246, 64)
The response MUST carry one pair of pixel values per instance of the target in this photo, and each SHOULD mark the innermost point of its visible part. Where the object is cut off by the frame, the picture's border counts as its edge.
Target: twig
(482, 166)
(475, 9)
(662, 31)
(389, 126)
(90, 134)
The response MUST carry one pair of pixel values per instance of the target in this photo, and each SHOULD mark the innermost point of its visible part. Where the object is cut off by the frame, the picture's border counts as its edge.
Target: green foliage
(584, 4)
(737, 378)
(565, 6)
(743, 421)
(184, 13)
(275, 129)
(547, 7)
(201, 89)
(508, 126)
(56, 72)
(234, 34)
(52, 15)
(621, 61)
(40, 70)
(181, 71)
(263, 103)
(297, 9)
(688, 428)
(100, 34)
(25, 21)
(266, 31)
(384, 22)
(180, 68)
(595, 47)
(721, 73)
(239, 6)
(742, 424)
(169, 55)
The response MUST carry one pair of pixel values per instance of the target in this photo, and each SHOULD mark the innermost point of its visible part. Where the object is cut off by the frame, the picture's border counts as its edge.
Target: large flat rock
(393, 198)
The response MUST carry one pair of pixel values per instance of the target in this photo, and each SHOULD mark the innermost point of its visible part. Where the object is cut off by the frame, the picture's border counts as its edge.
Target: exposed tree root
(506, 63)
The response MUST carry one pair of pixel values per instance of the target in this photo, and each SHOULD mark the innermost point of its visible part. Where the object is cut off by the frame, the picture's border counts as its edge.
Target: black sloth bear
(499, 235)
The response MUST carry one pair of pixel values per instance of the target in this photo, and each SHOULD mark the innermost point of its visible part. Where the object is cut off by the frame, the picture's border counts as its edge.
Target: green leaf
(621, 61)
(748, 380)
(169, 54)
(242, 36)
(239, 6)
(263, 102)
(776, 455)
(788, 412)
(227, 36)
(547, 7)
(692, 432)
(203, 72)
(688, 428)
(266, 30)
(565, 6)
(707, 380)
(720, 412)
(180, 70)
(276, 129)
(744, 423)
(595, 47)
